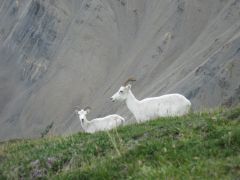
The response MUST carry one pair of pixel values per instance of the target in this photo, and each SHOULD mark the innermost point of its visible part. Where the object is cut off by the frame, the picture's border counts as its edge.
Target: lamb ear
(87, 109)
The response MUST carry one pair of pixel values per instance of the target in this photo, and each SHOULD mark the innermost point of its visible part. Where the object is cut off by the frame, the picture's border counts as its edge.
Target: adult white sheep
(154, 107)
(98, 124)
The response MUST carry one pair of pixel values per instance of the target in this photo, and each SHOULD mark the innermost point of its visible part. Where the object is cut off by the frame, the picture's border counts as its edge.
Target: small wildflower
(164, 149)
(196, 158)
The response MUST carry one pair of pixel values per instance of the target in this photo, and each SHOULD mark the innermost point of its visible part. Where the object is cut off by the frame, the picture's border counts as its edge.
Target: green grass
(196, 146)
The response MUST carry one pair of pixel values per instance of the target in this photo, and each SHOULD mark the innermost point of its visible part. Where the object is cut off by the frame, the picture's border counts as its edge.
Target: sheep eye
(121, 91)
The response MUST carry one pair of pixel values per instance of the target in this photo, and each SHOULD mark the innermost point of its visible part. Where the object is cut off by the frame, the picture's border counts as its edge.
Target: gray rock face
(57, 54)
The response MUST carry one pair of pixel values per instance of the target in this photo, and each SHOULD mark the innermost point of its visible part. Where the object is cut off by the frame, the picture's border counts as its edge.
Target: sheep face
(122, 93)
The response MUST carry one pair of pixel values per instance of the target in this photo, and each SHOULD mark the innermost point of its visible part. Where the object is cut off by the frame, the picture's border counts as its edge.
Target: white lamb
(154, 107)
(98, 124)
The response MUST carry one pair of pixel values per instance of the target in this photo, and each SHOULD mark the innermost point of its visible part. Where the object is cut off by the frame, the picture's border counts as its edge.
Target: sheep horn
(129, 80)
(86, 108)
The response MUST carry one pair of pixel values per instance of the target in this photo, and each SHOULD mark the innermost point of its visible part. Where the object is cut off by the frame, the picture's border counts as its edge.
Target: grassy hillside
(197, 146)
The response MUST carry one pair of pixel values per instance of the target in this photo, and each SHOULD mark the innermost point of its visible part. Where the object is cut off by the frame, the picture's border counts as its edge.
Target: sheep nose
(112, 99)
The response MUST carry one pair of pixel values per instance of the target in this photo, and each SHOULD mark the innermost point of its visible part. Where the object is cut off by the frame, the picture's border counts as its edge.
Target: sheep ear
(129, 86)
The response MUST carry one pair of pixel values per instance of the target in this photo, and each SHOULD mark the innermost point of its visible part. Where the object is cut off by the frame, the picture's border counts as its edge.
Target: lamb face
(82, 115)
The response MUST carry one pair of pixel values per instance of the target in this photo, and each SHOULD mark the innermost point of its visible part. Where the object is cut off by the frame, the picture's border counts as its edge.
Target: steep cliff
(56, 54)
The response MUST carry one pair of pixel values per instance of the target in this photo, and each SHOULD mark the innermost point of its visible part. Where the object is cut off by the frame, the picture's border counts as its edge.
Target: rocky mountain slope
(56, 54)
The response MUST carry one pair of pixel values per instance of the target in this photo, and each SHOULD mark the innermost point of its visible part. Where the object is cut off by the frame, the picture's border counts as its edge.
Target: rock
(35, 164)
(51, 161)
